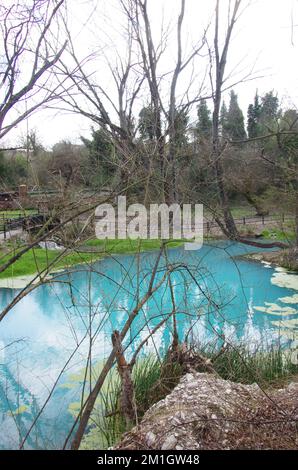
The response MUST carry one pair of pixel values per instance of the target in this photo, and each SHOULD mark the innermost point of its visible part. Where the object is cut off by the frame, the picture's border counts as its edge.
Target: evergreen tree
(251, 122)
(181, 123)
(204, 125)
(146, 124)
(100, 151)
(263, 116)
(253, 118)
(224, 119)
(234, 126)
(269, 108)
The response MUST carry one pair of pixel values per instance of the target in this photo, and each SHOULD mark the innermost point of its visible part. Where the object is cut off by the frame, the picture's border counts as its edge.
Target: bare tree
(30, 47)
(220, 61)
(136, 73)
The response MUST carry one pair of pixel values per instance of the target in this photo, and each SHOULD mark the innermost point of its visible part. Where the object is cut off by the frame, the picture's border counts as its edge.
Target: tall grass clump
(266, 368)
(153, 379)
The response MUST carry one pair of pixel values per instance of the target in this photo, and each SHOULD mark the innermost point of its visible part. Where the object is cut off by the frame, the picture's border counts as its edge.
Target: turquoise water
(227, 298)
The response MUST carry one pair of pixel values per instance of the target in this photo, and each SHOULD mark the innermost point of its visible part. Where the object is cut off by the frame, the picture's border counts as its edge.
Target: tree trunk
(127, 407)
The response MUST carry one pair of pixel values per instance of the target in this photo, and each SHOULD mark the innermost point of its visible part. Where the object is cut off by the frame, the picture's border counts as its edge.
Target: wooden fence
(9, 220)
(253, 220)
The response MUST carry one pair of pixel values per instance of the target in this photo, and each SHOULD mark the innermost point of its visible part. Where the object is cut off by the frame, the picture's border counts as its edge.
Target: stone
(150, 438)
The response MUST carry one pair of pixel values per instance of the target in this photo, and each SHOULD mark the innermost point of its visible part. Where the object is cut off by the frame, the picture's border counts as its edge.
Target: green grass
(128, 245)
(246, 211)
(12, 214)
(152, 380)
(37, 259)
(267, 368)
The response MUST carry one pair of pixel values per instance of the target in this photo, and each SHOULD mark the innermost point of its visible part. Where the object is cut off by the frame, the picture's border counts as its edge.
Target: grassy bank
(38, 259)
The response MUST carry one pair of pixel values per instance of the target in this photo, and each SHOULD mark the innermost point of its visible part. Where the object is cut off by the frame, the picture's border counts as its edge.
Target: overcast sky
(266, 38)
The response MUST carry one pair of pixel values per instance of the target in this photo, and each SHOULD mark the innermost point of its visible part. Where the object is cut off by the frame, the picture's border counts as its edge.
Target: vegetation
(277, 234)
(38, 260)
(128, 245)
(232, 120)
(266, 368)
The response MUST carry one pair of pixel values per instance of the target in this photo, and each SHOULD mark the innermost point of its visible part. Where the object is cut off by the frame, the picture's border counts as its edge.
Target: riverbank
(287, 258)
(39, 260)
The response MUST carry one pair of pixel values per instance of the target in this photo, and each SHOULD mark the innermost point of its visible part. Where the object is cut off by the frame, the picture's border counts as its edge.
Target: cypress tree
(235, 129)
(270, 105)
(224, 119)
(253, 118)
(204, 125)
(269, 111)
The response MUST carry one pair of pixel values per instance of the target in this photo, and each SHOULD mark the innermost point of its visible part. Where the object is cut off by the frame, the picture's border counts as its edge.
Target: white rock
(150, 438)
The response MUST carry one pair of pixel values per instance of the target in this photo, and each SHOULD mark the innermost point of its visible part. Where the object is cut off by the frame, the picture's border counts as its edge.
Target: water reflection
(234, 300)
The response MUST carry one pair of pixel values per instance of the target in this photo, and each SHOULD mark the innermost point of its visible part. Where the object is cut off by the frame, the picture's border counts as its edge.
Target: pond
(46, 337)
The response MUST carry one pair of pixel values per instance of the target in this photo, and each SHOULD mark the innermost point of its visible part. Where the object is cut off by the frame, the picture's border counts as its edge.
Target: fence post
(263, 219)
(4, 229)
(243, 220)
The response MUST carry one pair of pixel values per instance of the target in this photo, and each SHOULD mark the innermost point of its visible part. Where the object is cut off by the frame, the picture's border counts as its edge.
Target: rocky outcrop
(207, 412)
(287, 259)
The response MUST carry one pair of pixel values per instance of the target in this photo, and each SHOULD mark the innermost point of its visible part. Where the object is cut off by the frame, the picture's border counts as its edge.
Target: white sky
(264, 38)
